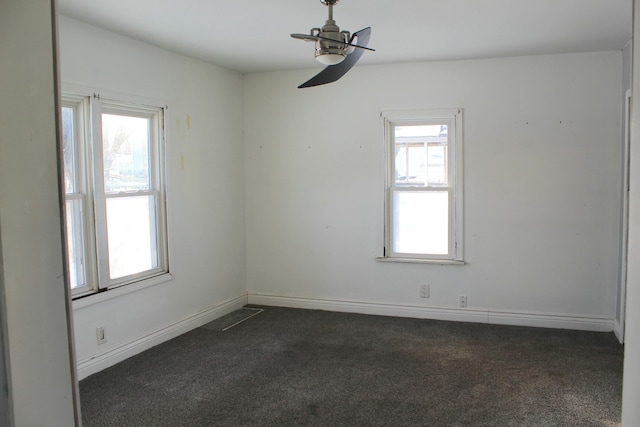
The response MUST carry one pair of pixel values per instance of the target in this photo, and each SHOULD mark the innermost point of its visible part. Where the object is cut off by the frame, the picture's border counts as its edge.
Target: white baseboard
(115, 355)
(540, 320)
(617, 329)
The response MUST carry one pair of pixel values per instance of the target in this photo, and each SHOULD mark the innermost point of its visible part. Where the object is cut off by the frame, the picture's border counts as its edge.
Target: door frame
(625, 218)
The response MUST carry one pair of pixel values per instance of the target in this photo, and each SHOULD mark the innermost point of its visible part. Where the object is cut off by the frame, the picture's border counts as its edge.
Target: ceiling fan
(339, 50)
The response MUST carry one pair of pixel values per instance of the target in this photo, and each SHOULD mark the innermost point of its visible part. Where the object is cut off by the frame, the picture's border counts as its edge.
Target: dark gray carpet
(289, 367)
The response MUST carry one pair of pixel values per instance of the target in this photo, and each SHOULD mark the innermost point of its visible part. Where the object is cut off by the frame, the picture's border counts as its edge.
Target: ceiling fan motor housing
(331, 47)
(328, 51)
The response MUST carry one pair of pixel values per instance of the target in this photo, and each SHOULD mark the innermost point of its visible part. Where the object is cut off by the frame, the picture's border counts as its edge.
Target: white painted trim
(453, 118)
(421, 260)
(540, 320)
(130, 98)
(117, 291)
(618, 331)
(115, 355)
(624, 245)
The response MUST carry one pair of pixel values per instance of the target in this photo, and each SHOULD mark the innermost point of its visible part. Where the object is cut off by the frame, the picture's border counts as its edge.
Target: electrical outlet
(462, 301)
(424, 291)
(101, 334)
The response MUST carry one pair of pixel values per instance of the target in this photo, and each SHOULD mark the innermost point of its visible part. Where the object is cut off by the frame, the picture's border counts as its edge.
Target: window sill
(421, 261)
(120, 290)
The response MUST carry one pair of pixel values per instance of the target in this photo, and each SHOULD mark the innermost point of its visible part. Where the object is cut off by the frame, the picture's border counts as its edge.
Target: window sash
(77, 249)
(154, 239)
(453, 187)
(414, 228)
(156, 183)
(78, 208)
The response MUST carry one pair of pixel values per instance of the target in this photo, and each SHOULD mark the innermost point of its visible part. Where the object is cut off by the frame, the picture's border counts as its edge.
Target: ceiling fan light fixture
(331, 58)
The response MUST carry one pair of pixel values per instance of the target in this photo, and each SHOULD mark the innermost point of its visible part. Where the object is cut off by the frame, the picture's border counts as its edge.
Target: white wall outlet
(101, 334)
(424, 291)
(462, 301)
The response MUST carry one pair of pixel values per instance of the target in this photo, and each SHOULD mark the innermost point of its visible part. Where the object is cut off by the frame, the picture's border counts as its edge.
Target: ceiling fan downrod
(330, 4)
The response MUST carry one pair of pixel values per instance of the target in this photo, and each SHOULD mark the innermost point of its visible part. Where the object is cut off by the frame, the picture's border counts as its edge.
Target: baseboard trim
(117, 354)
(617, 329)
(540, 320)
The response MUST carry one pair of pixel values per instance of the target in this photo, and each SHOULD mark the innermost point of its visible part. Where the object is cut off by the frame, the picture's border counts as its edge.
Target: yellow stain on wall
(182, 162)
(188, 122)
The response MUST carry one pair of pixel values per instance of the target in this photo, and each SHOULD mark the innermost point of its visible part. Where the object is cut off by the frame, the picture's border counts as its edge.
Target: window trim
(92, 107)
(84, 190)
(453, 118)
(157, 167)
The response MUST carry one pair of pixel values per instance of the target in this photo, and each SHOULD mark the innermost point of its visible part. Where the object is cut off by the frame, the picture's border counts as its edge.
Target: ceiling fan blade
(334, 72)
(305, 37)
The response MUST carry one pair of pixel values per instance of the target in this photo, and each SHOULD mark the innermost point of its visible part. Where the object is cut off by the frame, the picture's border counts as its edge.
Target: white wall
(631, 383)
(35, 307)
(205, 191)
(542, 201)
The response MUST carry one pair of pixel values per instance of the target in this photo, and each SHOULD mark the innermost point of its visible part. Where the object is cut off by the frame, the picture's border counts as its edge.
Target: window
(423, 186)
(115, 192)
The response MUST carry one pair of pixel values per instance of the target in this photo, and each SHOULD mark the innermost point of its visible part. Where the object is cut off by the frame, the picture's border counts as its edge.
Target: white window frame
(89, 144)
(452, 117)
(84, 168)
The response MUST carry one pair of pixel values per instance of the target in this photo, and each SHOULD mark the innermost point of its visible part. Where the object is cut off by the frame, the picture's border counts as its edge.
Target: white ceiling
(253, 35)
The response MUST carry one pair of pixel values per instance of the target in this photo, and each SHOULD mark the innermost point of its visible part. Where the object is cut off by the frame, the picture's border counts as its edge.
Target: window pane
(69, 149)
(126, 152)
(75, 243)
(131, 235)
(421, 222)
(437, 164)
(421, 152)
